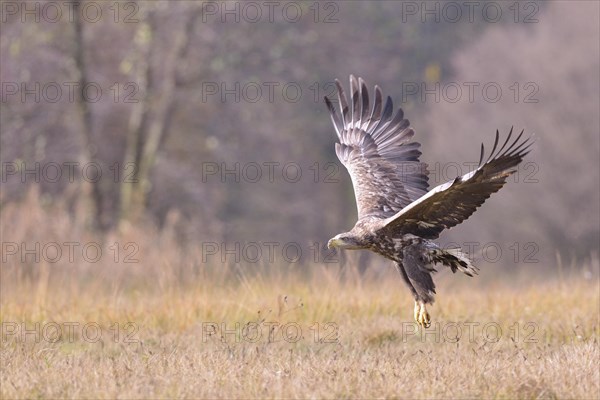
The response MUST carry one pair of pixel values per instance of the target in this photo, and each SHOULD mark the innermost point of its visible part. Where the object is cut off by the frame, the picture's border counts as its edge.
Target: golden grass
(325, 332)
(357, 341)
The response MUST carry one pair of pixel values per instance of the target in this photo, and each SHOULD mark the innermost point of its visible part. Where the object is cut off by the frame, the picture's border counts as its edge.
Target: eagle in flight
(398, 216)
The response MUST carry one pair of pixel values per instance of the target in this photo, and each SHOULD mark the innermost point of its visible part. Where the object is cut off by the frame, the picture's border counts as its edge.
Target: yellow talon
(421, 315)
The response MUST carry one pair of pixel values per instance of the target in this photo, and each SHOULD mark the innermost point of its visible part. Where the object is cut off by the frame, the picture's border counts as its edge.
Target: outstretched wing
(449, 204)
(376, 149)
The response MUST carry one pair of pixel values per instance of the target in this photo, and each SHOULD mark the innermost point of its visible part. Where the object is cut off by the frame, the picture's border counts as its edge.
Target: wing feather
(451, 203)
(377, 151)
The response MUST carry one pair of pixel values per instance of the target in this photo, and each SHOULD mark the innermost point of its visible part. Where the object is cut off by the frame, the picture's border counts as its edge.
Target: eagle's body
(397, 216)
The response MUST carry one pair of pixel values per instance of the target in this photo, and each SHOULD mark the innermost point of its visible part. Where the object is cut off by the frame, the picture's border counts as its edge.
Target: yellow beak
(333, 243)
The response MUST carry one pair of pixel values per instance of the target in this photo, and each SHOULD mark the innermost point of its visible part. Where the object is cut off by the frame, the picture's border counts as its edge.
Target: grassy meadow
(168, 326)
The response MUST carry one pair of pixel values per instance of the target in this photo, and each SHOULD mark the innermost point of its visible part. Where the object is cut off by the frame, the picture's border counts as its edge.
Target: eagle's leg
(420, 312)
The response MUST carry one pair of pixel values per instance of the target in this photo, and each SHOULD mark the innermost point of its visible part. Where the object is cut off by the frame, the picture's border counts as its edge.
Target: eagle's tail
(455, 259)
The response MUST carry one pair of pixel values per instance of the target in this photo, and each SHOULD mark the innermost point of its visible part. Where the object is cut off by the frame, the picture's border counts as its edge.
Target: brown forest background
(155, 152)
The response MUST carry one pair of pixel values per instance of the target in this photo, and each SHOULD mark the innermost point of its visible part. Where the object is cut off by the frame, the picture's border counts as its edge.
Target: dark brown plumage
(397, 215)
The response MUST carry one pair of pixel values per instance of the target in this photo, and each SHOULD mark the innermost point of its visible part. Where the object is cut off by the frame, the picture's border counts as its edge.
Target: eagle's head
(346, 240)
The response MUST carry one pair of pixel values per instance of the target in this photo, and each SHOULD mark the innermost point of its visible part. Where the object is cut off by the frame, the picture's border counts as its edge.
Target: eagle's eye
(347, 239)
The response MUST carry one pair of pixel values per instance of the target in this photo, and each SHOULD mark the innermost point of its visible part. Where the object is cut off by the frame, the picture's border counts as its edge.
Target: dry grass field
(325, 340)
(166, 327)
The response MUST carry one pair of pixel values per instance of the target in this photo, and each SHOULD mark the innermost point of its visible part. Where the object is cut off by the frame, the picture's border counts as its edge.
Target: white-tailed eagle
(398, 216)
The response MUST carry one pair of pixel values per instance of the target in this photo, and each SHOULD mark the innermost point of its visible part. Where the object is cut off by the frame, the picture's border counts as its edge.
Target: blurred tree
(150, 118)
(90, 191)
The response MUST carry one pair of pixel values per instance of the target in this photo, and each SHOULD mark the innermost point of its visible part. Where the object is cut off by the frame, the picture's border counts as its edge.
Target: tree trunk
(149, 121)
(90, 200)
